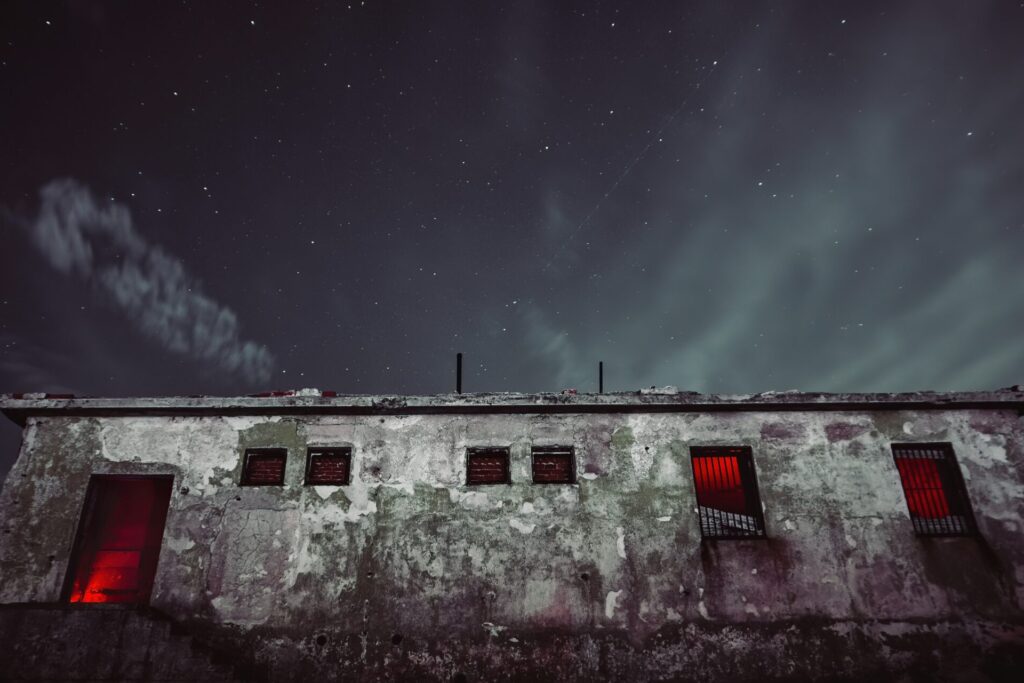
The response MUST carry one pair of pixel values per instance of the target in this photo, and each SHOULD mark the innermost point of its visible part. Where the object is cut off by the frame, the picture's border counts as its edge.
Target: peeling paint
(610, 601)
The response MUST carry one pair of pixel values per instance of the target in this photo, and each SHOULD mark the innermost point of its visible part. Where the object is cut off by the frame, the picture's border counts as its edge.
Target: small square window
(934, 488)
(727, 500)
(487, 466)
(328, 466)
(553, 465)
(264, 466)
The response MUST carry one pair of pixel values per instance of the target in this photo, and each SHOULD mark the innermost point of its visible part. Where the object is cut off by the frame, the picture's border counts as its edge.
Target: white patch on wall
(665, 519)
(620, 541)
(406, 487)
(476, 555)
(179, 545)
(360, 506)
(306, 561)
(435, 567)
(470, 500)
(569, 494)
(325, 491)
(521, 527)
(199, 446)
(241, 424)
(643, 458)
(609, 603)
(527, 508)
(493, 629)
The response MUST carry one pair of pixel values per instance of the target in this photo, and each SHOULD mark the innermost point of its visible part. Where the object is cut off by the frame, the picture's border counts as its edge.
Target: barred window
(487, 466)
(934, 488)
(264, 466)
(328, 466)
(553, 465)
(727, 500)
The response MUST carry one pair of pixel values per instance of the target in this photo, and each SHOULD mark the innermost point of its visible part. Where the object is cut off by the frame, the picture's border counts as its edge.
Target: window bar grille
(487, 466)
(728, 504)
(554, 464)
(264, 466)
(328, 466)
(934, 489)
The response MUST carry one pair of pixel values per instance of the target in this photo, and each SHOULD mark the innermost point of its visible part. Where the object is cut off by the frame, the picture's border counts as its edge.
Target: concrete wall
(408, 570)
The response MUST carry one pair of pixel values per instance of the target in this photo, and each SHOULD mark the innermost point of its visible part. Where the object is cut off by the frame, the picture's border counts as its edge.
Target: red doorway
(118, 540)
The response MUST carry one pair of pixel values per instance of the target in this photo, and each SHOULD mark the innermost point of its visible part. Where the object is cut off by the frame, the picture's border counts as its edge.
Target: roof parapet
(311, 401)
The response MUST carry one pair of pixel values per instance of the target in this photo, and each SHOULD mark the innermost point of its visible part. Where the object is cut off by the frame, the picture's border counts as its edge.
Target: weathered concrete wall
(64, 643)
(408, 570)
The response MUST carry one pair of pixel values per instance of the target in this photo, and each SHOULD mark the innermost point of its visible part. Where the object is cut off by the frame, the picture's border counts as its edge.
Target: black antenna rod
(600, 377)
(458, 373)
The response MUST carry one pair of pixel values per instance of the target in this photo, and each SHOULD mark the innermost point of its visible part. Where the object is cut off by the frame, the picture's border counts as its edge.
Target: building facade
(652, 535)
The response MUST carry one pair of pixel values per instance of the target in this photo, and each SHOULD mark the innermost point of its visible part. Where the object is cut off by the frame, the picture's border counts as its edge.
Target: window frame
(86, 520)
(505, 451)
(250, 453)
(954, 489)
(748, 482)
(345, 451)
(569, 451)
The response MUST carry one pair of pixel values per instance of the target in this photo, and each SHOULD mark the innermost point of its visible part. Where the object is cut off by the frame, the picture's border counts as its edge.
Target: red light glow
(121, 539)
(718, 483)
(925, 495)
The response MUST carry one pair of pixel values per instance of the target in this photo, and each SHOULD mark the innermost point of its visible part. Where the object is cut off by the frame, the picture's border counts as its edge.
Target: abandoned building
(655, 535)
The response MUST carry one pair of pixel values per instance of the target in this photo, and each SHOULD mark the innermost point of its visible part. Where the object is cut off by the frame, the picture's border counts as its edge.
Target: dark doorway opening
(118, 541)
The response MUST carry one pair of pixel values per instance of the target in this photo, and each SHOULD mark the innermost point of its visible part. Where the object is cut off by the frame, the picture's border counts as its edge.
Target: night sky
(227, 198)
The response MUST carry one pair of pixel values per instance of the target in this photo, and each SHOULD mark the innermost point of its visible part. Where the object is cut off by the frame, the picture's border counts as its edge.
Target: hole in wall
(459, 677)
(396, 639)
(321, 640)
(585, 576)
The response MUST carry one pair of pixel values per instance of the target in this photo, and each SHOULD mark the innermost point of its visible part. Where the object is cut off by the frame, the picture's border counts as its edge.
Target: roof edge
(18, 407)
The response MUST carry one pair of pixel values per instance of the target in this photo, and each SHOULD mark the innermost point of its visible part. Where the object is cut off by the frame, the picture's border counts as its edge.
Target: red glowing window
(936, 496)
(264, 467)
(553, 465)
(727, 500)
(328, 466)
(119, 539)
(487, 466)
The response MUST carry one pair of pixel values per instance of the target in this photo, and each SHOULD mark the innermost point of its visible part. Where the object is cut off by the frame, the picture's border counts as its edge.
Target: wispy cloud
(98, 243)
(833, 242)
